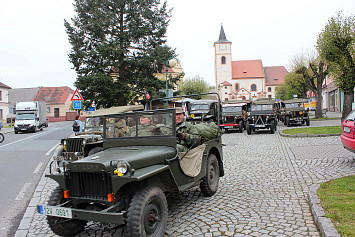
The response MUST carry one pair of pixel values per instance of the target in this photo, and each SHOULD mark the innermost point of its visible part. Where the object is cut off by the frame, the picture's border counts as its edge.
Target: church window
(236, 86)
(253, 87)
(269, 89)
(223, 60)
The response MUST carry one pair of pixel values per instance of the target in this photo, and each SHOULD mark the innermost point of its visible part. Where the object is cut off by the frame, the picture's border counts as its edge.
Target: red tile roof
(247, 69)
(226, 83)
(275, 75)
(53, 95)
(2, 85)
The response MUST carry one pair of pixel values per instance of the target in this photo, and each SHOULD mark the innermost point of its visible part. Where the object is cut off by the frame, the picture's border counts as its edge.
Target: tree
(120, 37)
(314, 70)
(336, 44)
(194, 85)
(294, 84)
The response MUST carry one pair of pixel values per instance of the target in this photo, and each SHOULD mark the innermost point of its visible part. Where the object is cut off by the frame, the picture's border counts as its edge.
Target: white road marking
(22, 192)
(39, 134)
(38, 168)
(55, 146)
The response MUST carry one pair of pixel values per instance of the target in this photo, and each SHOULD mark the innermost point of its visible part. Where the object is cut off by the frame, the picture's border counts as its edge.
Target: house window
(236, 86)
(223, 60)
(269, 97)
(48, 110)
(225, 87)
(269, 89)
(56, 112)
(0, 114)
(253, 87)
(0, 95)
(233, 97)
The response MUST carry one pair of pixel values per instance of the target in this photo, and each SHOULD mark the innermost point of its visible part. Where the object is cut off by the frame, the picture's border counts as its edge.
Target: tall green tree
(336, 43)
(314, 71)
(194, 85)
(125, 37)
(294, 84)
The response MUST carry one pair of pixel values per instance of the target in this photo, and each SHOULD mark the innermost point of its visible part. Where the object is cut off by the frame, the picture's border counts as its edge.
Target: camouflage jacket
(190, 131)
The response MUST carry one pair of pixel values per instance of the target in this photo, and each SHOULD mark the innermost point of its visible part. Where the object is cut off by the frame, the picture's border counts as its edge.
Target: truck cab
(30, 116)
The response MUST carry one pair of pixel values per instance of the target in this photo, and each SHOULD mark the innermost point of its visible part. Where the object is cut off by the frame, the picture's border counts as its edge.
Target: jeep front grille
(74, 145)
(89, 185)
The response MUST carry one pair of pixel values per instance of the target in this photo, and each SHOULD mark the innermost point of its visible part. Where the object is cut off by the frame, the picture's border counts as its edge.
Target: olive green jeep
(90, 141)
(262, 115)
(127, 183)
(293, 111)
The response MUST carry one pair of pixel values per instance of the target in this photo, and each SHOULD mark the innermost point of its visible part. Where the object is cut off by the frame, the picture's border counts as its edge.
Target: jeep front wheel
(272, 127)
(147, 213)
(249, 129)
(63, 226)
(288, 122)
(241, 126)
(210, 182)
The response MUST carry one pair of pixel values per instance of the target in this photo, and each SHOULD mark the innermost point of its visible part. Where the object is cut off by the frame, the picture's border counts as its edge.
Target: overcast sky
(34, 45)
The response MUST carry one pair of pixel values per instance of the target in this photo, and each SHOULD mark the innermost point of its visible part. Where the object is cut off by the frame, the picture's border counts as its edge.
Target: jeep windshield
(93, 124)
(256, 107)
(231, 109)
(199, 107)
(294, 105)
(140, 124)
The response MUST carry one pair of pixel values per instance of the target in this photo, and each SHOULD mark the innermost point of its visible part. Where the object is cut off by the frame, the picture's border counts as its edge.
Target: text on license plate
(56, 211)
(259, 126)
(347, 129)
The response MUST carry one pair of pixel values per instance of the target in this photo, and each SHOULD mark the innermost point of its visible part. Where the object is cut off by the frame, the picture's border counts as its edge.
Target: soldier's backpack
(207, 131)
(76, 126)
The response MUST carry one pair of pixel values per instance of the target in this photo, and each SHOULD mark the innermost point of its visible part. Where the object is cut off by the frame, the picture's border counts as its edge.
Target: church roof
(275, 75)
(247, 69)
(222, 36)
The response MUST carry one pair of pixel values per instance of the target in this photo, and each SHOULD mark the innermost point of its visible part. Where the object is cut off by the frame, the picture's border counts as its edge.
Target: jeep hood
(137, 156)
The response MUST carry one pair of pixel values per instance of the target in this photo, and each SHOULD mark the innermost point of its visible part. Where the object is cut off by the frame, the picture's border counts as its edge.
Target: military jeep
(90, 141)
(204, 111)
(127, 182)
(262, 116)
(294, 111)
(234, 115)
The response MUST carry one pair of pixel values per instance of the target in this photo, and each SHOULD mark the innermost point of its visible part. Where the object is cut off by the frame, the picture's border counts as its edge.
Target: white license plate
(197, 117)
(347, 129)
(56, 211)
(259, 126)
(228, 126)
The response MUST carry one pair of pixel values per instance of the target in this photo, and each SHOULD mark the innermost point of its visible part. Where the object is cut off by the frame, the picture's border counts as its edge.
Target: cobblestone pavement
(264, 191)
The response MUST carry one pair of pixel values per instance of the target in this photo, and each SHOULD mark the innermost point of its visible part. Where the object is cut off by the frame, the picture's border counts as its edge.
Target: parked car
(262, 115)
(294, 111)
(234, 114)
(204, 111)
(127, 182)
(348, 135)
(90, 141)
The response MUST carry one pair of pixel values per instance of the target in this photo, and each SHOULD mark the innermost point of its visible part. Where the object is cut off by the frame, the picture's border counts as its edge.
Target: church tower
(223, 62)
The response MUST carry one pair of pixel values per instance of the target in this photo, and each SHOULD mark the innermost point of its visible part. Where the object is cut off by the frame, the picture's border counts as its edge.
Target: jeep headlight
(122, 167)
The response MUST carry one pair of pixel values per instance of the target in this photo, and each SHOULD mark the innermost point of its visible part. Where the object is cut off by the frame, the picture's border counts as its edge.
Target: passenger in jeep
(185, 131)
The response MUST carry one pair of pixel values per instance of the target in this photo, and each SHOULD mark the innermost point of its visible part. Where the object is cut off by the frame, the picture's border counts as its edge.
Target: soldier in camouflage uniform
(145, 128)
(185, 131)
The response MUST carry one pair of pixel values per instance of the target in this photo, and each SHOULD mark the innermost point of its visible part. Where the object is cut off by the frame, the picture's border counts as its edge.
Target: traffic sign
(76, 96)
(77, 104)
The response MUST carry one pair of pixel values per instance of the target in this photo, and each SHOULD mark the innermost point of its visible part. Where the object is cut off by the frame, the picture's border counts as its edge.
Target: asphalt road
(23, 158)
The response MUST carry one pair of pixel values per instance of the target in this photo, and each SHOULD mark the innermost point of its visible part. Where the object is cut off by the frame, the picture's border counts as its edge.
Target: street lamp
(172, 63)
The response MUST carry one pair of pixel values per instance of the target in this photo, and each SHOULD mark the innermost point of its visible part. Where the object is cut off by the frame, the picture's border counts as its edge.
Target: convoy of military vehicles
(120, 171)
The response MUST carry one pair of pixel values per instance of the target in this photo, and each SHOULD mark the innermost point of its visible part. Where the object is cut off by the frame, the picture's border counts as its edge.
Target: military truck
(204, 111)
(234, 114)
(90, 141)
(262, 116)
(127, 183)
(294, 111)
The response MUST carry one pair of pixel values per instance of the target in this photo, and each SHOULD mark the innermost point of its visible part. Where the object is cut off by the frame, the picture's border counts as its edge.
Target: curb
(313, 135)
(324, 224)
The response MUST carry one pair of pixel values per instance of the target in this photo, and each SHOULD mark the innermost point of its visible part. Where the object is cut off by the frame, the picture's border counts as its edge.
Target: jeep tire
(249, 130)
(272, 127)
(95, 150)
(241, 126)
(307, 121)
(288, 122)
(63, 226)
(147, 213)
(210, 182)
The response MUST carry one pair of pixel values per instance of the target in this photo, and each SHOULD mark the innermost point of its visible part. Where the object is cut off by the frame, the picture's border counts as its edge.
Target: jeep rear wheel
(241, 126)
(288, 122)
(249, 130)
(147, 213)
(272, 127)
(63, 226)
(210, 182)
(307, 121)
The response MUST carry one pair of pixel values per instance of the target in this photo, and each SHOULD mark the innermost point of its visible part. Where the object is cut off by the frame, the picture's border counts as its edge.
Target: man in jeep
(185, 131)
